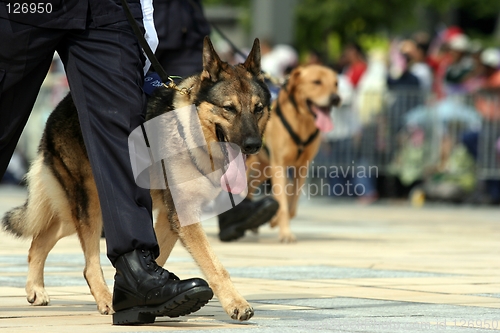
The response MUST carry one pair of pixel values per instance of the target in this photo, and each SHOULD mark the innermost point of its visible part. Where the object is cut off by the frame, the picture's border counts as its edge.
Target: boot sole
(237, 230)
(181, 305)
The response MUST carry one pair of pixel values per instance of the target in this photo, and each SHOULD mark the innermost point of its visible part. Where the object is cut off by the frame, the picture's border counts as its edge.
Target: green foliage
(373, 41)
(318, 20)
(479, 8)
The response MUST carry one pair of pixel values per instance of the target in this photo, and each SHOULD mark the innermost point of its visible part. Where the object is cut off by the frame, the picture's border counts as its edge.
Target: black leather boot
(245, 216)
(143, 291)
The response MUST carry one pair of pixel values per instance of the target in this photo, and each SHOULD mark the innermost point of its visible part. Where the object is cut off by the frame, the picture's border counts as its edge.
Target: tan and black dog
(232, 103)
(292, 139)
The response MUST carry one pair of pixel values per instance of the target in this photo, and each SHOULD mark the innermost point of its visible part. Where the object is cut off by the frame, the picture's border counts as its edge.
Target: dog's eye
(318, 82)
(258, 109)
(230, 108)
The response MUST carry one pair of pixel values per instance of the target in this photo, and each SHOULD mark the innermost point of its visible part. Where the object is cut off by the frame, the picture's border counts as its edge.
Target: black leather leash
(231, 44)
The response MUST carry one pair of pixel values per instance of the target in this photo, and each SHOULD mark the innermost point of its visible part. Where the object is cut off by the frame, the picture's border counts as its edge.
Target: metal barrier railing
(413, 135)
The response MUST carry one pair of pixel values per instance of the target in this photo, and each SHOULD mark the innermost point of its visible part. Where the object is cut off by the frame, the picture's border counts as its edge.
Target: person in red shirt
(356, 63)
(439, 57)
(488, 96)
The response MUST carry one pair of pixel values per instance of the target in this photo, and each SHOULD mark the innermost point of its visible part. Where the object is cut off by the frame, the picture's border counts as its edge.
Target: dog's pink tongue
(234, 180)
(323, 120)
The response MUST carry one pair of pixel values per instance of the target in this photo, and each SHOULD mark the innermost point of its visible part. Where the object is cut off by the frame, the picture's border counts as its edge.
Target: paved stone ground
(382, 268)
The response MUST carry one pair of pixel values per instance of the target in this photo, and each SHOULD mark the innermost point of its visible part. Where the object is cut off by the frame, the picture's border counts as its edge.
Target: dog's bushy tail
(14, 221)
(34, 215)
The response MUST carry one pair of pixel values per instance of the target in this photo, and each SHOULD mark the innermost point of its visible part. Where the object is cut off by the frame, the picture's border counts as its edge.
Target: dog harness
(301, 145)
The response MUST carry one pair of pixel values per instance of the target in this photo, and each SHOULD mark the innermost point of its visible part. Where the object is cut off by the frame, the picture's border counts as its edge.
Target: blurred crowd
(426, 112)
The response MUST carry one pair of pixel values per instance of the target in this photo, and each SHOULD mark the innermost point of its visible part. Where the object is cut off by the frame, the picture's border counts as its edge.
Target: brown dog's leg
(89, 233)
(298, 183)
(280, 189)
(194, 239)
(165, 235)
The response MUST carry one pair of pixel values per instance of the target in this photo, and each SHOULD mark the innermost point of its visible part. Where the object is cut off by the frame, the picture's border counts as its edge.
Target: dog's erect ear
(212, 64)
(252, 64)
(293, 80)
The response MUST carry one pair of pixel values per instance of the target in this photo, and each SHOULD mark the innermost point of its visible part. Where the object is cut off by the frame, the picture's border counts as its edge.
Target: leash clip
(172, 85)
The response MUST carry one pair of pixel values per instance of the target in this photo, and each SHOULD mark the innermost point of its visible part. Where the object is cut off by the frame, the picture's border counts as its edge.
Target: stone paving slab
(382, 268)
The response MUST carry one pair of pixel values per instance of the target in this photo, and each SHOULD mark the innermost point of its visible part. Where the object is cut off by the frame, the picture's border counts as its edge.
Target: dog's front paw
(105, 305)
(287, 237)
(37, 296)
(241, 311)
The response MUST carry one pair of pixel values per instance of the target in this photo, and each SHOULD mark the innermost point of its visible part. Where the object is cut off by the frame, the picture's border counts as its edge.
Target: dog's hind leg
(194, 239)
(89, 233)
(41, 245)
(41, 220)
(281, 191)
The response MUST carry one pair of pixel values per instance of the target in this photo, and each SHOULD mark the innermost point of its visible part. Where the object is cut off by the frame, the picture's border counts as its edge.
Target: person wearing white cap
(486, 76)
(490, 58)
(488, 95)
(460, 66)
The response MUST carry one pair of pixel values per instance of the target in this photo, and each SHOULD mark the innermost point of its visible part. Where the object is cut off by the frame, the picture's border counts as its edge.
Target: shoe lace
(151, 264)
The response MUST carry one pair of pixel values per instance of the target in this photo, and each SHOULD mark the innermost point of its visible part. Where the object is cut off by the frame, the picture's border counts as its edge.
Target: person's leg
(493, 189)
(365, 183)
(471, 140)
(340, 151)
(248, 215)
(104, 71)
(23, 67)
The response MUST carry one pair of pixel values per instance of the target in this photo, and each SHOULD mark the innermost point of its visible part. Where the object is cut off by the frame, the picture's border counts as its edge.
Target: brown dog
(232, 104)
(300, 113)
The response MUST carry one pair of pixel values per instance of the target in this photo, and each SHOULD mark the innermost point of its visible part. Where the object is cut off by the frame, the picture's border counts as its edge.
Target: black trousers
(104, 70)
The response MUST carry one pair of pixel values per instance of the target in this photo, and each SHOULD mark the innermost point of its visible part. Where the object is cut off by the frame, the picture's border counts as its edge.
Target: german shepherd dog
(292, 138)
(232, 103)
